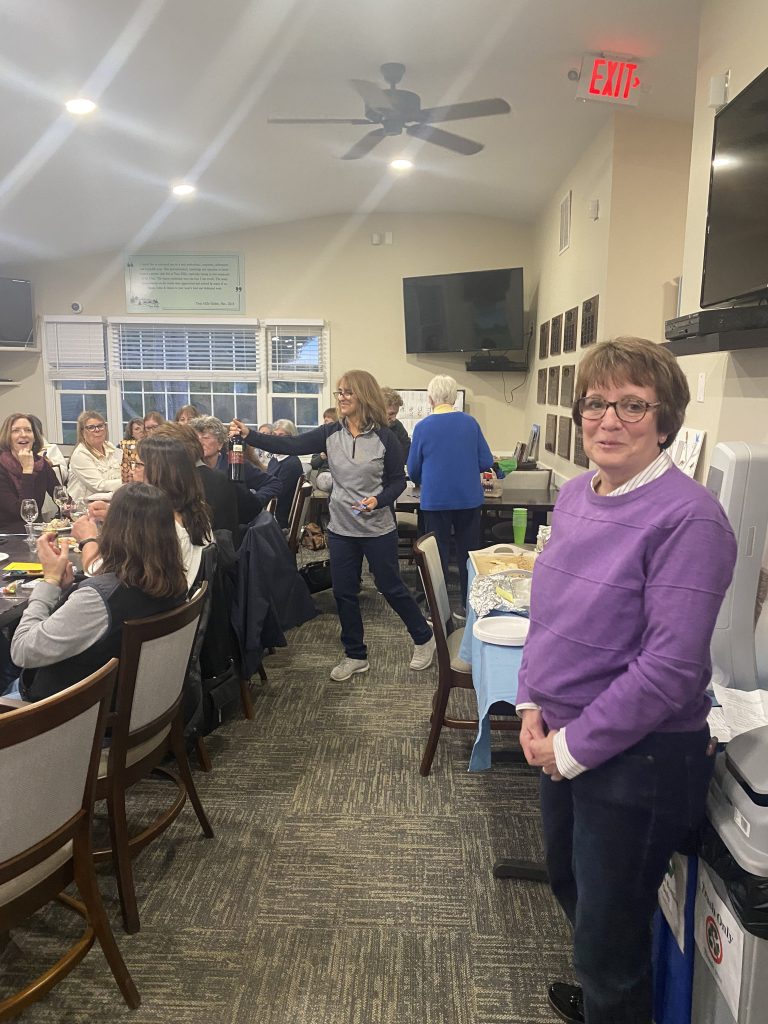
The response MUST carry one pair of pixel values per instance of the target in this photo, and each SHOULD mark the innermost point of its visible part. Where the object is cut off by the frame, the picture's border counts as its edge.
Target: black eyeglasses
(95, 426)
(629, 409)
(343, 393)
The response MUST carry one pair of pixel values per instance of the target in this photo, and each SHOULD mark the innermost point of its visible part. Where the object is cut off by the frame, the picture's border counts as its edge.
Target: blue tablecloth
(494, 675)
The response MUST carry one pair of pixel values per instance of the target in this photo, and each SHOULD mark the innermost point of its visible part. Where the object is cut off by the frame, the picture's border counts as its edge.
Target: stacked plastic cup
(519, 524)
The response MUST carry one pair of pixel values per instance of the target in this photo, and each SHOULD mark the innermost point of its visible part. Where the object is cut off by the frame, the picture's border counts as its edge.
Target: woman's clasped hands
(538, 746)
(54, 559)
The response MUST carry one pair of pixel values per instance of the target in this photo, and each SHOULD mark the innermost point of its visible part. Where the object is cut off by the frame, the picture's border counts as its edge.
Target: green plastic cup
(519, 524)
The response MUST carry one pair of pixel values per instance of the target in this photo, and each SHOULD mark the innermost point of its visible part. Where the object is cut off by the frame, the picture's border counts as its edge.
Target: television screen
(736, 250)
(16, 319)
(466, 313)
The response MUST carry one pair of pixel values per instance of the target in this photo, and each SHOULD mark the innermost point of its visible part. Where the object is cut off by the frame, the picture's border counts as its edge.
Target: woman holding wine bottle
(25, 475)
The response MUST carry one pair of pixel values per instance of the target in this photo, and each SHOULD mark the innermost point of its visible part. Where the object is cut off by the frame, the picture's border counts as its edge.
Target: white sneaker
(423, 655)
(349, 667)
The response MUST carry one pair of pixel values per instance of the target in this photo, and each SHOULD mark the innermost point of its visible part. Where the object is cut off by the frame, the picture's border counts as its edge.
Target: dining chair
(147, 724)
(298, 515)
(49, 760)
(452, 672)
(271, 506)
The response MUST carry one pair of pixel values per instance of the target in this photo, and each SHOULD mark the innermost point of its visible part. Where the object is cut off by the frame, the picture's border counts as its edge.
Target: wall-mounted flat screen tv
(16, 317)
(468, 312)
(736, 250)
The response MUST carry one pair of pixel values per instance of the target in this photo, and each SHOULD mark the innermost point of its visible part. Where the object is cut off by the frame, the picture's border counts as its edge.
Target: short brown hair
(184, 433)
(366, 390)
(331, 414)
(5, 432)
(154, 416)
(627, 360)
(190, 410)
(392, 397)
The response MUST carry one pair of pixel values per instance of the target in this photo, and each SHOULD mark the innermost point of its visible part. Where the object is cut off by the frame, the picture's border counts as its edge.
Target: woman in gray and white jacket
(366, 464)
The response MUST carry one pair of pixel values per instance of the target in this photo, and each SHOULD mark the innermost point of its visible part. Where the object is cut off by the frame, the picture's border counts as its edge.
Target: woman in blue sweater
(366, 463)
(448, 454)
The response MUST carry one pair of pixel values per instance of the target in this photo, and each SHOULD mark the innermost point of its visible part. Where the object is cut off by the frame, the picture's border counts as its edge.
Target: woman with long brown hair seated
(24, 472)
(167, 464)
(59, 642)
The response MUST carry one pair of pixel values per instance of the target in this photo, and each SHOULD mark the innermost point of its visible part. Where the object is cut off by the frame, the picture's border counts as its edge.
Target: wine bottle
(236, 459)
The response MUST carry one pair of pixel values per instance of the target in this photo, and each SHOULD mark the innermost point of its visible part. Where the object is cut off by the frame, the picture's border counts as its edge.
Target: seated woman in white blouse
(167, 464)
(94, 466)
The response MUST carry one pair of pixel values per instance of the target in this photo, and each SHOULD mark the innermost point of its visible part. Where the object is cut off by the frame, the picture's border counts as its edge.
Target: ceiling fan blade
(365, 145)
(318, 120)
(372, 95)
(456, 143)
(458, 111)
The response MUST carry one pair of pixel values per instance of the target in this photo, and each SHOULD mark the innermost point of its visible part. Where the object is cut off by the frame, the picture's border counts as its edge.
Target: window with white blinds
(193, 350)
(73, 347)
(127, 366)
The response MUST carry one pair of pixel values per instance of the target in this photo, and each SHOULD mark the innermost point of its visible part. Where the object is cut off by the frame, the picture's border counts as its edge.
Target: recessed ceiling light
(401, 165)
(183, 189)
(80, 106)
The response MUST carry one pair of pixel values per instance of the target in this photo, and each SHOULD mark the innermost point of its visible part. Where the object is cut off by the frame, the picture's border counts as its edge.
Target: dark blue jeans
(609, 834)
(466, 535)
(347, 555)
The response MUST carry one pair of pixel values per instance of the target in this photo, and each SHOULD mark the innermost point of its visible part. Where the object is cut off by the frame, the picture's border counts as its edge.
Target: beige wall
(566, 279)
(637, 169)
(732, 39)
(326, 267)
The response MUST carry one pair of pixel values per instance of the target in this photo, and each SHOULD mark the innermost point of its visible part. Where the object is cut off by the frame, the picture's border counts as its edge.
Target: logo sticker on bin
(720, 939)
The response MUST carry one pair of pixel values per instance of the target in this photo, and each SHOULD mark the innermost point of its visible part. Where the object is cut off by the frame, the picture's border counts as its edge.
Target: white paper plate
(3, 556)
(507, 630)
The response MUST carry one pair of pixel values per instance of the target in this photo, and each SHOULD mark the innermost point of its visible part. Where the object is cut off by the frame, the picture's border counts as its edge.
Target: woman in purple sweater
(614, 673)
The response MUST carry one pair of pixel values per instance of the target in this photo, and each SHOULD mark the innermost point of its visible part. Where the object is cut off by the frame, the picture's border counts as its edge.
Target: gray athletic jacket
(367, 466)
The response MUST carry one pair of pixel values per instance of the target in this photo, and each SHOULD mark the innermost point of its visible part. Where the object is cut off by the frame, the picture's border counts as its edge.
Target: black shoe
(567, 1001)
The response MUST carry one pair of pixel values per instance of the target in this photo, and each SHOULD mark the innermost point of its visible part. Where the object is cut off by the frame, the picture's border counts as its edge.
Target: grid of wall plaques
(570, 324)
(567, 380)
(556, 335)
(550, 433)
(563, 335)
(541, 388)
(579, 455)
(544, 340)
(564, 436)
(589, 320)
(553, 385)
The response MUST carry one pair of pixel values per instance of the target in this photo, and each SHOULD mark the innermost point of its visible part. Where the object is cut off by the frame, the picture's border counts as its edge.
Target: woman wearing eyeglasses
(365, 461)
(612, 687)
(95, 463)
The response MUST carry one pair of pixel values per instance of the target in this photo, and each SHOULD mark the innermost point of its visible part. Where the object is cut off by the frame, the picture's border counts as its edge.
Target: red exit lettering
(615, 78)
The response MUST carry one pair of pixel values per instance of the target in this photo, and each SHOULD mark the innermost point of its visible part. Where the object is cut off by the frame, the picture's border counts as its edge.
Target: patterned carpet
(341, 887)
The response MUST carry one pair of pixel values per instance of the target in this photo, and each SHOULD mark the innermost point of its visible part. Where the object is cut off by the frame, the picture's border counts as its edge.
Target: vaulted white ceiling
(184, 89)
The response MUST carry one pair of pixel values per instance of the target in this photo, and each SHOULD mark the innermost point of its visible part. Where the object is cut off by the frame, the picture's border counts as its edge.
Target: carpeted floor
(341, 887)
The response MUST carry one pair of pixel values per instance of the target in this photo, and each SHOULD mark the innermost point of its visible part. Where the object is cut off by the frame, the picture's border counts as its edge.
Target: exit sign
(609, 79)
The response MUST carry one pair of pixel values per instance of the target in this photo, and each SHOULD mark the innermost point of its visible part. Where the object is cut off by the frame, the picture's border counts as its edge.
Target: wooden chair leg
(180, 753)
(438, 717)
(245, 694)
(85, 879)
(262, 672)
(121, 858)
(203, 757)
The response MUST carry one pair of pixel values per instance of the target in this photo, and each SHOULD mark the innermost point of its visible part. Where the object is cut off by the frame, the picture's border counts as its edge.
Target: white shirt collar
(657, 468)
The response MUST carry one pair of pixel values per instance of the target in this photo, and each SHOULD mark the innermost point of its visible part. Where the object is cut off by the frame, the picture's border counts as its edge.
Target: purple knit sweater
(625, 597)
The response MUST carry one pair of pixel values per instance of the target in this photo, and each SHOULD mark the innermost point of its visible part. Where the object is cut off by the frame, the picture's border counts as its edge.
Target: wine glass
(78, 508)
(29, 513)
(61, 497)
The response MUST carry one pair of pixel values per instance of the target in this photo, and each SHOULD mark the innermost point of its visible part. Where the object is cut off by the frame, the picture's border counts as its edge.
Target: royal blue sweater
(448, 454)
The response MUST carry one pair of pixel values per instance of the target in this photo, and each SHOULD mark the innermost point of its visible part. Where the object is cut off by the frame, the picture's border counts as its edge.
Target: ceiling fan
(397, 111)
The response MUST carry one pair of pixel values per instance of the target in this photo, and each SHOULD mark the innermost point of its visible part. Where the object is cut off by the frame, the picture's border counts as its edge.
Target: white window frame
(77, 326)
